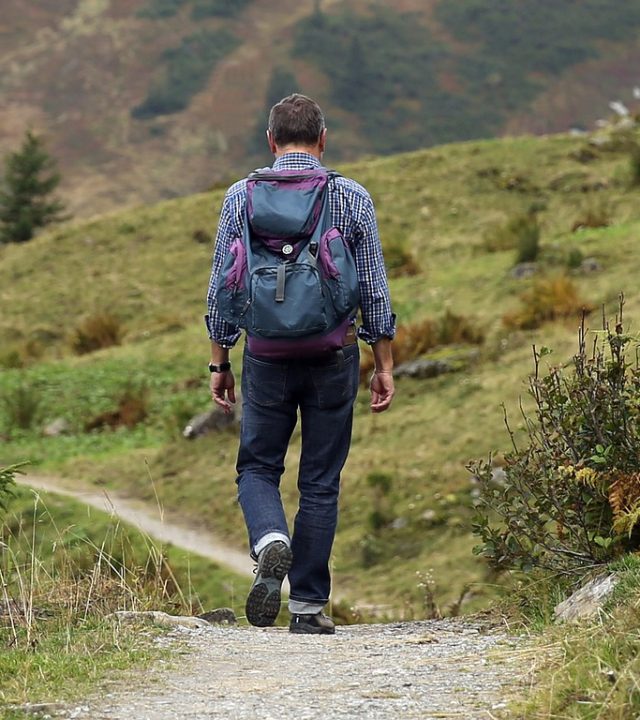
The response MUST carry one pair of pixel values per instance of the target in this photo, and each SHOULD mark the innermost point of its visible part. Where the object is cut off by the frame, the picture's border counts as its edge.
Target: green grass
(591, 669)
(145, 267)
(65, 568)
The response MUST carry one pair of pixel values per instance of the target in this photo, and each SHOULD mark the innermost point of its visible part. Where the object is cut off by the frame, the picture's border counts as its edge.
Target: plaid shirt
(352, 213)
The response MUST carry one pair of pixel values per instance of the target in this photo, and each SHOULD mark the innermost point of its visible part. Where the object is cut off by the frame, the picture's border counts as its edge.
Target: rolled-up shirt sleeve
(378, 321)
(218, 329)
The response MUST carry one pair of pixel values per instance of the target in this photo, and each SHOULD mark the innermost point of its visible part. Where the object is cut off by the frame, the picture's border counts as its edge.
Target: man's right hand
(221, 384)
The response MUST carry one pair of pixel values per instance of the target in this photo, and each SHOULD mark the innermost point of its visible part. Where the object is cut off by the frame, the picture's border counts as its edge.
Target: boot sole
(311, 630)
(263, 602)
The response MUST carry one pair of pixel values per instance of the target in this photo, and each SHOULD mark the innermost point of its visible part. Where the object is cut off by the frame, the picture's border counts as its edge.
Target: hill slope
(443, 211)
(149, 99)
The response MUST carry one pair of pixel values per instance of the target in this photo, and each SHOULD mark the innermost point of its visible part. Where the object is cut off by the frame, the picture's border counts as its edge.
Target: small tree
(25, 195)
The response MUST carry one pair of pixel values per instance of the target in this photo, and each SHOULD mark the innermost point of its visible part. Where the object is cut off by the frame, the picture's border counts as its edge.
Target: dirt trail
(426, 670)
(152, 523)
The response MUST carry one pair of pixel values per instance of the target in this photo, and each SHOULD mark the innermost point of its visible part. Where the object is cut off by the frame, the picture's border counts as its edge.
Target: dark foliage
(161, 9)
(515, 39)
(25, 196)
(217, 8)
(186, 71)
(384, 67)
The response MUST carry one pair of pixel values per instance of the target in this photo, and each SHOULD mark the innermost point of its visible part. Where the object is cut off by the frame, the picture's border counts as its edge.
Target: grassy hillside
(443, 214)
(145, 100)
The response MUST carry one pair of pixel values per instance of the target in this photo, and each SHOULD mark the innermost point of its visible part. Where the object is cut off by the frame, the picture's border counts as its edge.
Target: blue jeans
(324, 391)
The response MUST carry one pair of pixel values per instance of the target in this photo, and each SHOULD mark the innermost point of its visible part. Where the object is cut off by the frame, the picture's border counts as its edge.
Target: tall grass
(62, 576)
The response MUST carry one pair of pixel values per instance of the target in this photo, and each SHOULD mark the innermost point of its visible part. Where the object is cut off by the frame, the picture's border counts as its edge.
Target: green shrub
(570, 498)
(132, 408)
(7, 483)
(21, 404)
(521, 233)
(96, 332)
(634, 166)
(399, 260)
(575, 259)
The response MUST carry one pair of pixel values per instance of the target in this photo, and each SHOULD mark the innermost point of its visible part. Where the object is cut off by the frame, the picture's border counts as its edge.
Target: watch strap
(223, 367)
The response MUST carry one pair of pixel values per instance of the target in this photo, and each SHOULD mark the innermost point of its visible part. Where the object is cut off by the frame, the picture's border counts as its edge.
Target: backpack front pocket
(287, 303)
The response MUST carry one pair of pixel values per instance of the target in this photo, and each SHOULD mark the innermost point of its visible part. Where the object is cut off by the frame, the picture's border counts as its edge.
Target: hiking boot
(263, 601)
(318, 624)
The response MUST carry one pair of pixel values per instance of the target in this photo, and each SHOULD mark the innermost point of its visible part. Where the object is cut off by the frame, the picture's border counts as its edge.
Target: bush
(96, 332)
(548, 299)
(570, 498)
(634, 166)
(521, 232)
(399, 260)
(21, 404)
(595, 213)
(132, 407)
(575, 259)
(7, 483)
(414, 340)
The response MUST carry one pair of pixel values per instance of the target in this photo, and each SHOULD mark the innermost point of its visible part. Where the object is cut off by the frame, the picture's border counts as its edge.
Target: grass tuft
(549, 298)
(96, 332)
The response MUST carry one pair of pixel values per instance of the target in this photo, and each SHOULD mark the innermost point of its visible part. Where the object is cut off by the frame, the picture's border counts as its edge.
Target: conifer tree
(25, 194)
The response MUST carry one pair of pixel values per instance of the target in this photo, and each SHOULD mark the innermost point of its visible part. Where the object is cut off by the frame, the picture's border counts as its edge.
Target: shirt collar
(296, 161)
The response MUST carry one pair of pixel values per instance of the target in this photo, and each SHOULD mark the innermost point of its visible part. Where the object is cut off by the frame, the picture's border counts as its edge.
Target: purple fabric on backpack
(326, 261)
(300, 347)
(236, 275)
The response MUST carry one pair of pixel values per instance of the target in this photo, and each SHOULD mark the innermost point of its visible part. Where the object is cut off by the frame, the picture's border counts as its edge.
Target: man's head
(296, 122)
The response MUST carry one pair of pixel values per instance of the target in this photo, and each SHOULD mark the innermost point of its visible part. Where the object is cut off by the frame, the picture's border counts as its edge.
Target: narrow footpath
(426, 670)
(429, 670)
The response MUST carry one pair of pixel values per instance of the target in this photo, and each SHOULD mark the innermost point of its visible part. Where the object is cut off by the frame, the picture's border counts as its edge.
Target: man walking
(322, 388)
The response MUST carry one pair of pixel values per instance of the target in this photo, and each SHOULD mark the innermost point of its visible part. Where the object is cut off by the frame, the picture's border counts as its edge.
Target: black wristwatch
(223, 367)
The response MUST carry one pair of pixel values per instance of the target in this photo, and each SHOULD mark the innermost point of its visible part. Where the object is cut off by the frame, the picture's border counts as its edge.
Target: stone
(161, 618)
(525, 270)
(220, 616)
(590, 265)
(56, 427)
(422, 369)
(213, 420)
(588, 600)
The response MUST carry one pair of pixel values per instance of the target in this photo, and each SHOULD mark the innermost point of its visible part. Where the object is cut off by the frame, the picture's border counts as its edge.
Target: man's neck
(315, 151)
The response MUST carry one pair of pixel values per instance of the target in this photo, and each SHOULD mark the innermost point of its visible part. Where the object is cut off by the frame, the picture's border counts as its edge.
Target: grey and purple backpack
(290, 281)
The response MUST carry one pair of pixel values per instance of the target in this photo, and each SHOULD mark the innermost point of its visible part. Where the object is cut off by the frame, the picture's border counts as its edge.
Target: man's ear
(322, 141)
(272, 146)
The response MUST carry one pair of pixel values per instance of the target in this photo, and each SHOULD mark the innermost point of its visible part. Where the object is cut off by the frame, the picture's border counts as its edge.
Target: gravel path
(427, 670)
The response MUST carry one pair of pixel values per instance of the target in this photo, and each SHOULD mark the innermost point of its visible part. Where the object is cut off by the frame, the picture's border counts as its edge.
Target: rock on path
(427, 670)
